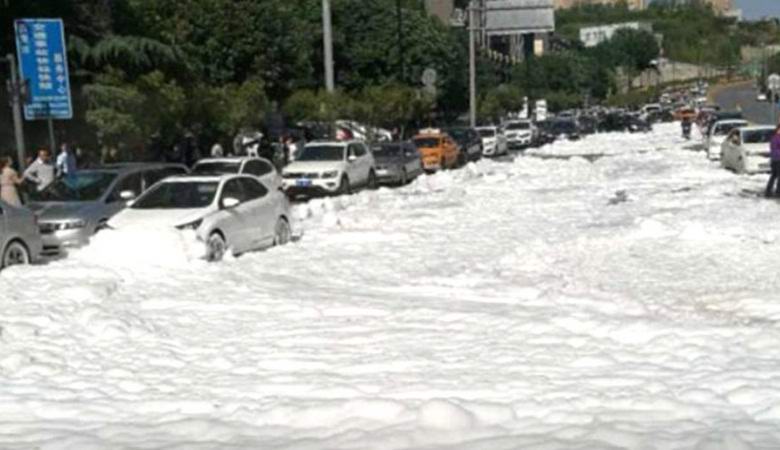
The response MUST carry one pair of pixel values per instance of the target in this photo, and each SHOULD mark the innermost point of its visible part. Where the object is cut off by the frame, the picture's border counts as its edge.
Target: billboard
(43, 64)
(513, 17)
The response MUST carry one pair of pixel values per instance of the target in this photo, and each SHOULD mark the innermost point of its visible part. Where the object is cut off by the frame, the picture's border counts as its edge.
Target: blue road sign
(43, 62)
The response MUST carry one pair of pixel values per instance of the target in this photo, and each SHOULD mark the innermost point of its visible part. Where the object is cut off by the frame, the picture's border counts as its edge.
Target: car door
(261, 212)
(412, 161)
(235, 221)
(356, 165)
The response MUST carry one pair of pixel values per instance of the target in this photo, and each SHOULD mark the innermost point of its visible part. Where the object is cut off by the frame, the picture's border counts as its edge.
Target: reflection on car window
(216, 168)
(427, 142)
(85, 186)
(322, 153)
(178, 195)
(758, 136)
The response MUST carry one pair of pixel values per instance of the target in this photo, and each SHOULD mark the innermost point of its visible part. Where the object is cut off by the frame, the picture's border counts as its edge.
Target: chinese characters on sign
(40, 45)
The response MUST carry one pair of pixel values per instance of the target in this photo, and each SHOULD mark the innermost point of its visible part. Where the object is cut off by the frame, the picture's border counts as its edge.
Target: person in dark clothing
(773, 186)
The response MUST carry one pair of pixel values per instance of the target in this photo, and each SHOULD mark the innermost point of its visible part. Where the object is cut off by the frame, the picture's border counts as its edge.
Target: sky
(753, 9)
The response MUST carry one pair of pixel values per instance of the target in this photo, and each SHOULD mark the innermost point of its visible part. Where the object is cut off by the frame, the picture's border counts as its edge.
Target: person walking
(66, 162)
(217, 151)
(41, 171)
(773, 186)
(9, 180)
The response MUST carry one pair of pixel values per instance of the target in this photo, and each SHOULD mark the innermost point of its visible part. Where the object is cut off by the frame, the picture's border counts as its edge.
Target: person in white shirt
(66, 162)
(41, 171)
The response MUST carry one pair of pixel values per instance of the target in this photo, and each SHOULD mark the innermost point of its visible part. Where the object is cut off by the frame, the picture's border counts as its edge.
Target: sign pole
(16, 105)
(52, 140)
(472, 67)
(327, 42)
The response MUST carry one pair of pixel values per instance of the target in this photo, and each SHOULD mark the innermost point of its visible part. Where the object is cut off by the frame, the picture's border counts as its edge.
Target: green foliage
(496, 102)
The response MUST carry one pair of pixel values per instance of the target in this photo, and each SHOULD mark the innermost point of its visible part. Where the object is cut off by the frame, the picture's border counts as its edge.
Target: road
(619, 302)
(743, 96)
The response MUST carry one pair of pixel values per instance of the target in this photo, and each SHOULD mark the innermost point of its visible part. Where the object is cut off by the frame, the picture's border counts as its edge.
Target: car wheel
(216, 247)
(15, 254)
(344, 187)
(282, 232)
(371, 184)
(404, 177)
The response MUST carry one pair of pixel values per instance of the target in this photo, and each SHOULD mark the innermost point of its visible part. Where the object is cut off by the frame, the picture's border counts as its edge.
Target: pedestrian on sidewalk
(9, 180)
(773, 187)
(41, 171)
(66, 162)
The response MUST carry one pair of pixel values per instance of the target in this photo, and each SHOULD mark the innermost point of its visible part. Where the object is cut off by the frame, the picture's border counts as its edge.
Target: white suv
(520, 133)
(327, 168)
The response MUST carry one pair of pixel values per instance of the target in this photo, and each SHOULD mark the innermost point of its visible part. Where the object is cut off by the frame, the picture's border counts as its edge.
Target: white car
(235, 213)
(493, 141)
(746, 150)
(244, 165)
(327, 168)
(519, 133)
(718, 133)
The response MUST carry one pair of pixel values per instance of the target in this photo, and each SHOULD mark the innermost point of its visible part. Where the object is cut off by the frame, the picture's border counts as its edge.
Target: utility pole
(401, 56)
(327, 38)
(15, 91)
(472, 66)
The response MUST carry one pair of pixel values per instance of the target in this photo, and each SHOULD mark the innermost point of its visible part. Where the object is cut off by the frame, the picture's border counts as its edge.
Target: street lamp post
(401, 62)
(327, 42)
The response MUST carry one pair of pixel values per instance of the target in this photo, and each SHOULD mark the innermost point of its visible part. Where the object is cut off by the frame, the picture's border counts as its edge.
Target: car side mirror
(127, 195)
(230, 202)
(351, 158)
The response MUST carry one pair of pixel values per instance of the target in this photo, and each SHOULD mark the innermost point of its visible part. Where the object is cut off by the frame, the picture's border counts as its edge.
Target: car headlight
(194, 225)
(330, 174)
(74, 224)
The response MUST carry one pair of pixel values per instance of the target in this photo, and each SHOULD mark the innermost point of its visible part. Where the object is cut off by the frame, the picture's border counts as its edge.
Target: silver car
(74, 208)
(243, 165)
(20, 242)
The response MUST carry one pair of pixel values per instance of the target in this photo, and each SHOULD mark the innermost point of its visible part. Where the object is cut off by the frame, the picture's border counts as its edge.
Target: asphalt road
(743, 96)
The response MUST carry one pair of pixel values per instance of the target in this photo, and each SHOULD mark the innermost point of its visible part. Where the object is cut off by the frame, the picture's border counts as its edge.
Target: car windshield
(387, 150)
(518, 126)
(179, 195)
(217, 167)
(459, 134)
(431, 142)
(724, 128)
(322, 153)
(565, 127)
(758, 136)
(84, 186)
(487, 132)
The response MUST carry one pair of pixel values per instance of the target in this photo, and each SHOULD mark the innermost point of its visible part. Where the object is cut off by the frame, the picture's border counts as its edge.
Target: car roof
(204, 178)
(231, 159)
(757, 128)
(132, 167)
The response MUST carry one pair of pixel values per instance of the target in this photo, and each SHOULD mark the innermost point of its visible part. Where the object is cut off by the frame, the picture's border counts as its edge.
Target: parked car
(565, 129)
(746, 149)
(718, 133)
(397, 162)
(330, 167)
(493, 141)
(20, 241)
(261, 168)
(469, 143)
(229, 213)
(519, 133)
(73, 208)
(438, 150)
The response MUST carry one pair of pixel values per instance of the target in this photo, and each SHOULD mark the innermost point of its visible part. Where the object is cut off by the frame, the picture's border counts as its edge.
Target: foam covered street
(621, 301)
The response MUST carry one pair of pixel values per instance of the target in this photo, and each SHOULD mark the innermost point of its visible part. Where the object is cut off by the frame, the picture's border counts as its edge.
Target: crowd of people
(38, 175)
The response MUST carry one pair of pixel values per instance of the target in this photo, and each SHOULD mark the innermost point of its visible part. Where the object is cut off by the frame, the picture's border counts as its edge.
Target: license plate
(303, 183)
